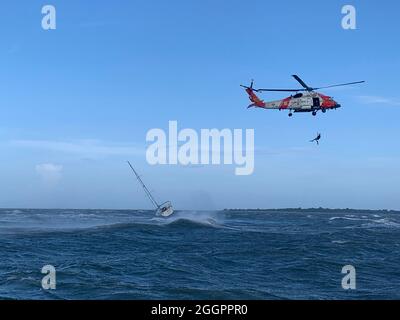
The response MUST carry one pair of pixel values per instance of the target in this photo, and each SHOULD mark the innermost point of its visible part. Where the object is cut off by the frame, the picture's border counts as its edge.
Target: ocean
(263, 254)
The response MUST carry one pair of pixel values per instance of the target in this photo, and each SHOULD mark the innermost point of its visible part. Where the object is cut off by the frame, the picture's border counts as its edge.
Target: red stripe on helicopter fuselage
(285, 103)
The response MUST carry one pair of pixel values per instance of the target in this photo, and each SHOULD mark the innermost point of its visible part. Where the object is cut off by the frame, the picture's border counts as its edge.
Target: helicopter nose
(338, 105)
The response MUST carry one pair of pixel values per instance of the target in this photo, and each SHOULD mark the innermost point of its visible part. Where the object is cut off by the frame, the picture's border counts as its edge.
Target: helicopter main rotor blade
(281, 90)
(340, 85)
(302, 83)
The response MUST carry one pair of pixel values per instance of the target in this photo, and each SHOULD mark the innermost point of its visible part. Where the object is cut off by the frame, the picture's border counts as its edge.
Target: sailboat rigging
(165, 209)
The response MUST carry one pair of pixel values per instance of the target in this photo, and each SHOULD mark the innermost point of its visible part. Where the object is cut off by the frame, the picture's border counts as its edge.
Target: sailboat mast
(144, 187)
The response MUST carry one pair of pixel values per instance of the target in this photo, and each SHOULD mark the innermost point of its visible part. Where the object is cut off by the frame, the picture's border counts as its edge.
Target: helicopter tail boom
(256, 101)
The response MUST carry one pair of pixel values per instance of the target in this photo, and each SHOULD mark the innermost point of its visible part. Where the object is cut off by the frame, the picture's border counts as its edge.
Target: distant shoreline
(309, 210)
(327, 210)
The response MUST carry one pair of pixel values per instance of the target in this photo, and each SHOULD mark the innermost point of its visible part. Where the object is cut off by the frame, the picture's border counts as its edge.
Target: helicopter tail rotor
(251, 87)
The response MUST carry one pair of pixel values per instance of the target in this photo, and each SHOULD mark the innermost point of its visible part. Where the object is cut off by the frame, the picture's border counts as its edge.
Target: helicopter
(305, 99)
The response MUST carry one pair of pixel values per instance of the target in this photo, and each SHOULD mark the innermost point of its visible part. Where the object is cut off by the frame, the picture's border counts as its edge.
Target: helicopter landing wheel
(314, 113)
(290, 114)
(323, 110)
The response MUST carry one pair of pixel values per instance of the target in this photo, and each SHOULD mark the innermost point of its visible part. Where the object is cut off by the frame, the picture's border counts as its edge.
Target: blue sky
(77, 102)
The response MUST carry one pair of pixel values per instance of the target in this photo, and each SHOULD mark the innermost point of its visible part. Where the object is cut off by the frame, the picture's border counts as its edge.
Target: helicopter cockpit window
(298, 95)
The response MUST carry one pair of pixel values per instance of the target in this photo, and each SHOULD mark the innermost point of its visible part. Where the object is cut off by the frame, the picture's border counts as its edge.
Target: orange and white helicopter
(304, 100)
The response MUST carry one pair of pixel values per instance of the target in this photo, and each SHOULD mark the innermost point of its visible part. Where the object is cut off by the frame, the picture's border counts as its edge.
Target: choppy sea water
(199, 255)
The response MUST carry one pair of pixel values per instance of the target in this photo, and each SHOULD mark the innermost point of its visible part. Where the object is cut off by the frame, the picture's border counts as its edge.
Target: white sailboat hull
(165, 210)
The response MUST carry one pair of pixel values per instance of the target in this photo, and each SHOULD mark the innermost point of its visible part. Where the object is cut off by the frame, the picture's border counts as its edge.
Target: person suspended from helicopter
(316, 139)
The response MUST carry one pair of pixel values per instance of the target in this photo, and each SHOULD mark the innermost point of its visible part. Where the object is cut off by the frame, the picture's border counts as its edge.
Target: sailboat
(165, 209)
